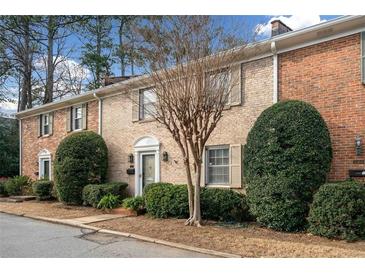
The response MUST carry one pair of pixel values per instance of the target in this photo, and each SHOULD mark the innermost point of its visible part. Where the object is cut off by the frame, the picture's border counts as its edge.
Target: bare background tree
(193, 78)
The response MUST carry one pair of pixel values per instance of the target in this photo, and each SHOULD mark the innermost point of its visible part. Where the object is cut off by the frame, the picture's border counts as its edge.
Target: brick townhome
(320, 64)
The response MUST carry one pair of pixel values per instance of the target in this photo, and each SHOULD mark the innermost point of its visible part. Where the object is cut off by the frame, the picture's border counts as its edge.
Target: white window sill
(217, 185)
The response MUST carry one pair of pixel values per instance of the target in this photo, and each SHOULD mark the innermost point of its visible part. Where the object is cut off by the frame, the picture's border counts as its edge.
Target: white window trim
(206, 169)
(73, 116)
(44, 155)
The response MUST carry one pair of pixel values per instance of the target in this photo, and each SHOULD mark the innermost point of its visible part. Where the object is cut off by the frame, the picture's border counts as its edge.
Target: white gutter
(275, 72)
(100, 111)
(20, 146)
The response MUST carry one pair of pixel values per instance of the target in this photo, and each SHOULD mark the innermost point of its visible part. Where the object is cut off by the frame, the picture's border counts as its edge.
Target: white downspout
(100, 111)
(275, 96)
(20, 147)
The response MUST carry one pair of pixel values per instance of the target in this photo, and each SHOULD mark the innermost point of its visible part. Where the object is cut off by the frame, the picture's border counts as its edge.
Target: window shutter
(68, 119)
(236, 85)
(39, 125)
(135, 105)
(50, 123)
(363, 57)
(84, 116)
(235, 166)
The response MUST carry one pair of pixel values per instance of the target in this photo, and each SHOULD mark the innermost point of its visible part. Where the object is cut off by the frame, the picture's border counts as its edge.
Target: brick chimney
(278, 27)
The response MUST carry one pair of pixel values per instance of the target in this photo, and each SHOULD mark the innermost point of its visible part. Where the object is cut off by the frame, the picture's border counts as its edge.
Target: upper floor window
(45, 124)
(147, 101)
(77, 118)
(219, 82)
(217, 166)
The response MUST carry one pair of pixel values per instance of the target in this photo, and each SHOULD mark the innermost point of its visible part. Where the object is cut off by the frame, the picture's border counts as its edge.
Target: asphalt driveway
(22, 237)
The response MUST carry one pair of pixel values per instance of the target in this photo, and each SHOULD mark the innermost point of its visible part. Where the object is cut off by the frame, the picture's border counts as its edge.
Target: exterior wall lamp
(165, 156)
(358, 145)
(131, 158)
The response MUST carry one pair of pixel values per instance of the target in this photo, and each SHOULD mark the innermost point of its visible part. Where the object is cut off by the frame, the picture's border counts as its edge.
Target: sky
(249, 24)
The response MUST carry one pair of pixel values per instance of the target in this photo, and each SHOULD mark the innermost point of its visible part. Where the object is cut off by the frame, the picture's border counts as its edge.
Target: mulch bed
(247, 240)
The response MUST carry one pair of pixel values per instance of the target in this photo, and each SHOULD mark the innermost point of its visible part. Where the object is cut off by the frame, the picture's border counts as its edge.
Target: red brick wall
(32, 144)
(328, 76)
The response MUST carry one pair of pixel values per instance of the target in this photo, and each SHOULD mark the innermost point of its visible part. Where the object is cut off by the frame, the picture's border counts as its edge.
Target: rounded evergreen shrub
(81, 159)
(92, 194)
(223, 205)
(338, 211)
(164, 200)
(286, 159)
(43, 189)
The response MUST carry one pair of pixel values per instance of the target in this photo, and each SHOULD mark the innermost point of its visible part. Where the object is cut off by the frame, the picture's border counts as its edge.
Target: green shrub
(109, 201)
(81, 159)
(2, 189)
(223, 205)
(92, 194)
(338, 211)
(287, 157)
(18, 185)
(43, 189)
(164, 200)
(134, 203)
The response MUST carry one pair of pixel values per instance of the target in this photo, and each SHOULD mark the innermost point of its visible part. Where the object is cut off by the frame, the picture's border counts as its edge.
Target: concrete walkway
(23, 237)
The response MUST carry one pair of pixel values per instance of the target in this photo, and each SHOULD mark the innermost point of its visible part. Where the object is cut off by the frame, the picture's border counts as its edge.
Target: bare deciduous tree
(193, 80)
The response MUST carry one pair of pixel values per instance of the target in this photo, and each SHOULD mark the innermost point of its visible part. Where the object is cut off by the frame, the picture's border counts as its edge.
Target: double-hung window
(77, 118)
(147, 102)
(218, 84)
(45, 124)
(217, 165)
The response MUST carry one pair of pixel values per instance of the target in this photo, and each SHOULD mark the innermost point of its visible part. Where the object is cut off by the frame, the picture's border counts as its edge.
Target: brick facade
(120, 133)
(32, 144)
(328, 76)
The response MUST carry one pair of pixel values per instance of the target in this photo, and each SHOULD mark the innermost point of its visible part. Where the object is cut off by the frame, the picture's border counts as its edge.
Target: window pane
(218, 165)
(78, 112)
(77, 123)
(45, 169)
(149, 96)
(45, 119)
(45, 129)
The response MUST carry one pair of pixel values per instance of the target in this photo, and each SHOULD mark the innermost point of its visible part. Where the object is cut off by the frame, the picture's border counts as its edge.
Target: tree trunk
(196, 219)
(98, 50)
(48, 96)
(190, 190)
(27, 71)
(121, 50)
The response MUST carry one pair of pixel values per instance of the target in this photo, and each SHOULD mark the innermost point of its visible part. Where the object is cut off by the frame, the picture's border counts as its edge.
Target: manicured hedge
(18, 185)
(81, 159)
(164, 200)
(286, 159)
(223, 205)
(338, 211)
(43, 189)
(92, 194)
